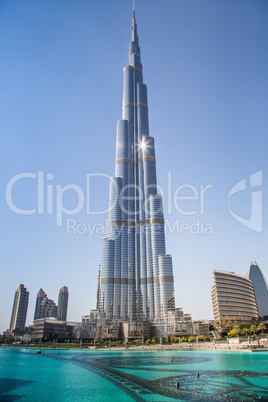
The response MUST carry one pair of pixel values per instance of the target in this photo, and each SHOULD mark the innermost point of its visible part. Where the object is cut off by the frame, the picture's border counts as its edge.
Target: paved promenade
(262, 345)
(230, 345)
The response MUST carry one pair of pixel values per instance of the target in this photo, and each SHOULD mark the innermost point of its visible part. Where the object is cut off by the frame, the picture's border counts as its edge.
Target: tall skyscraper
(44, 307)
(256, 276)
(63, 303)
(136, 276)
(48, 308)
(20, 306)
(39, 298)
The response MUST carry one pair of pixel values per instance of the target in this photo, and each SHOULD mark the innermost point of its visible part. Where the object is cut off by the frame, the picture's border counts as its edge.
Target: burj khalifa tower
(136, 276)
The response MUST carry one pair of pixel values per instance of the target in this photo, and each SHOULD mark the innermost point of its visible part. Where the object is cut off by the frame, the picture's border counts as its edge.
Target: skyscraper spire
(134, 36)
(136, 276)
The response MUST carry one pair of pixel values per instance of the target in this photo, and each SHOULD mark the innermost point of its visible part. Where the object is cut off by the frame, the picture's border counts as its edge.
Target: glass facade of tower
(63, 303)
(260, 288)
(39, 298)
(136, 275)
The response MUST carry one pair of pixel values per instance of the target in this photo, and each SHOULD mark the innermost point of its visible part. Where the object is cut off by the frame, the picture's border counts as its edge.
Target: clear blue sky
(205, 64)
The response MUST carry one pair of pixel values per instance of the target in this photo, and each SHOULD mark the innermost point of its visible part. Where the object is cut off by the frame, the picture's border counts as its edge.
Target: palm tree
(253, 329)
(255, 321)
(229, 325)
(217, 325)
(261, 327)
(16, 331)
(244, 331)
(236, 328)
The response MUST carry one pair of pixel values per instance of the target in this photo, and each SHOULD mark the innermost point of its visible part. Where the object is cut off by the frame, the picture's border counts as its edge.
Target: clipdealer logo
(255, 221)
(49, 194)
(186, 200)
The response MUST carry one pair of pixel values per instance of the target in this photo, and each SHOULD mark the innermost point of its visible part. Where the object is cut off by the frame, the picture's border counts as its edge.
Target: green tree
(255, 321)
(229, 325)
(192, 338)
(261, 327)
(217, 326)
(236, 328)
(253, 328)
(245, 331)
(202, 338)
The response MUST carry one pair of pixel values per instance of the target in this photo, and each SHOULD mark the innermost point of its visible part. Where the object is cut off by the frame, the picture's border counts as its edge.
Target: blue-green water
(132, 376)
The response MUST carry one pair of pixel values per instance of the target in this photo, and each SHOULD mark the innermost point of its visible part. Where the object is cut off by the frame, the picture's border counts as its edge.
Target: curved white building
(256, 276)
(233, 299)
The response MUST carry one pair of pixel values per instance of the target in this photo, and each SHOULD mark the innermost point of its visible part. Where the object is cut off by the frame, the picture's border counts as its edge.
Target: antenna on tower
(133, 8)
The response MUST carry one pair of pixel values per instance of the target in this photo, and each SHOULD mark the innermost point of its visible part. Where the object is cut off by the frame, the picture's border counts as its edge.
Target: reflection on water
(11, 384)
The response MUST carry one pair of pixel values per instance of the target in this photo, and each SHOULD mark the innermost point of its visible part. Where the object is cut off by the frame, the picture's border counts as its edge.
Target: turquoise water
(132, 376)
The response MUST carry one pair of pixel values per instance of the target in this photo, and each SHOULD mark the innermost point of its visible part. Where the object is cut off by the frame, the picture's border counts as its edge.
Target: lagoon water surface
(132, 376)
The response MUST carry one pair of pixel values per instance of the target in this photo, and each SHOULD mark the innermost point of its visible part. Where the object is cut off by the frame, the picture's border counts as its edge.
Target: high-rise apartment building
(20, 306)
(233, 299)
(44, 307)
(136, 275)
(256, 276)
(39, 298)
(48, 308)
(63, 303)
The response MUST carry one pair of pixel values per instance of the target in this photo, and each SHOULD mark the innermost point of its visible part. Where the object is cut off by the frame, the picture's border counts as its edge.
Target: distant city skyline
(206, 65)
